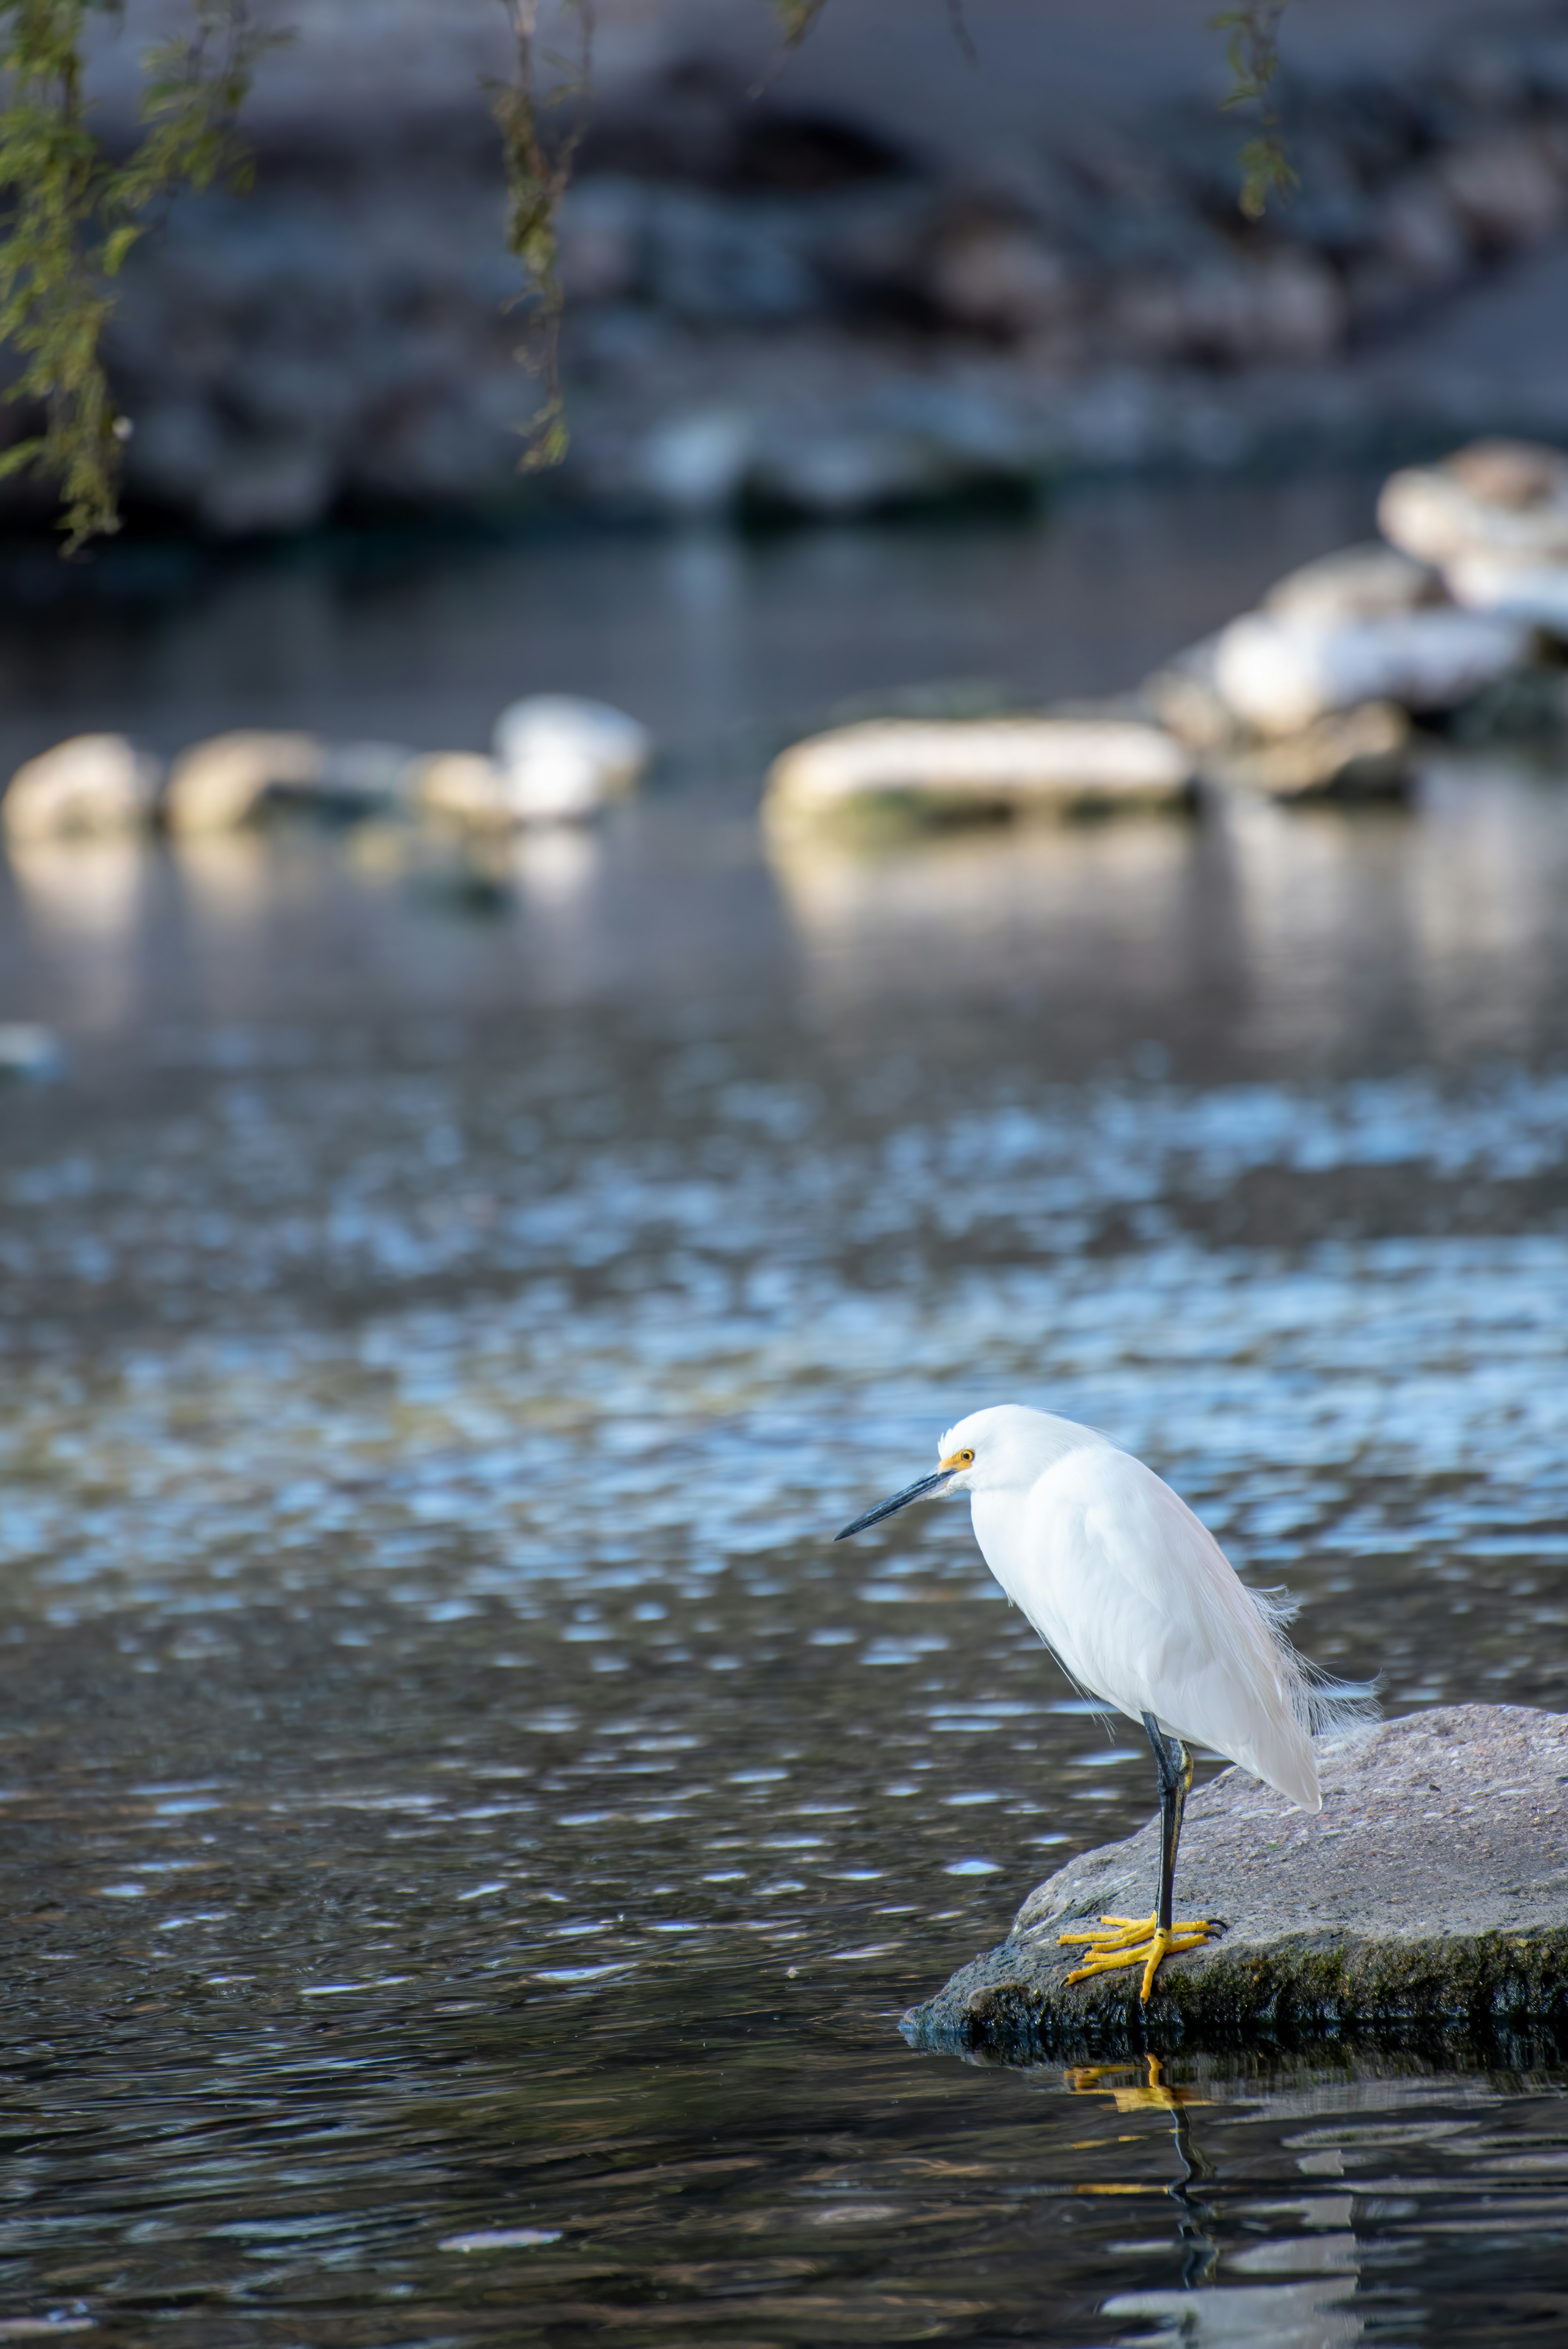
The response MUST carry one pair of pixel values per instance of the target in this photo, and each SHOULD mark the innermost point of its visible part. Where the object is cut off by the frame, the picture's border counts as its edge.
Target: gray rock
(997, 277)
(1504, 187)
(1429, 1897)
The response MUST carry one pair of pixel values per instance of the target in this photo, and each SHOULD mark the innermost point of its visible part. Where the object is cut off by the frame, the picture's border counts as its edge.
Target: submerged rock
(94, 782)
(1429, 1897)
(954, 767)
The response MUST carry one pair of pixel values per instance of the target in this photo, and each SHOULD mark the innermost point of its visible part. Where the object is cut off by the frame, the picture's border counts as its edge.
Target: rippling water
(468, 1834)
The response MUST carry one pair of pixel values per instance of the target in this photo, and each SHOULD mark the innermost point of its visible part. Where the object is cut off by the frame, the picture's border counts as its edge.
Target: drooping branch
(69, 214)
(70, 211)
(1252, 52)
(537, 174)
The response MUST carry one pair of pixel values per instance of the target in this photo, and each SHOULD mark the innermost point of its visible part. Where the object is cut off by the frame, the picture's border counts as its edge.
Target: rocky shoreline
(772, 310)
(1427, 1903)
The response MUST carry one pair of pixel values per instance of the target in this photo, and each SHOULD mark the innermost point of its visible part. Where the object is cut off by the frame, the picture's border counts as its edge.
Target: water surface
(469, 1834)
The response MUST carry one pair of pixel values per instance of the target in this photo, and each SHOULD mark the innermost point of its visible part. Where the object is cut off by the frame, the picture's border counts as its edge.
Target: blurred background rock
(874, 273)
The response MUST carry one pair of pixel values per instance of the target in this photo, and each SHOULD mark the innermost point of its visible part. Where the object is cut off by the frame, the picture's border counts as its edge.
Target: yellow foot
(1138, 1941)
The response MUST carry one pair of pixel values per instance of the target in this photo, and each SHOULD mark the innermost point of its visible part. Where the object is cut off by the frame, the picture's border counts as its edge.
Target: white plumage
(1142, 1609)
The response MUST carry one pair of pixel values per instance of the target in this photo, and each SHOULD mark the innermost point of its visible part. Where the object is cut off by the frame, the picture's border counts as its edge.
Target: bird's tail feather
(1324, 1705)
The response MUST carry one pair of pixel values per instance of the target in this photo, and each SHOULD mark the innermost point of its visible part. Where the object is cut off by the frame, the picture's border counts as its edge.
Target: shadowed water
(468, 1836)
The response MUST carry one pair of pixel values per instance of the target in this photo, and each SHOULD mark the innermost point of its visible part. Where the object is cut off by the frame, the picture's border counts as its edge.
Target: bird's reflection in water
(1205, 2312)
(1200, 2257)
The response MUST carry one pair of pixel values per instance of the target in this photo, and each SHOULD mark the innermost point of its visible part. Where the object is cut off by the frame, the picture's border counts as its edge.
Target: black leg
(1174, 1764)
(1147, 1941)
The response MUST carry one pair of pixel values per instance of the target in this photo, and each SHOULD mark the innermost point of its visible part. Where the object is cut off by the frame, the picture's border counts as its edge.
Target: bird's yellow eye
(956, 1459)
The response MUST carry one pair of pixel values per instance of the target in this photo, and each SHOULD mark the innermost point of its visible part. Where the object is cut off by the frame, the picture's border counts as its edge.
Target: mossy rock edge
(1425, 1906)
(1477, 1992)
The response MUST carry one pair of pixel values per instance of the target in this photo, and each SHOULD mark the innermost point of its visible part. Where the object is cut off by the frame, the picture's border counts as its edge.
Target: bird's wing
(1147, 1610)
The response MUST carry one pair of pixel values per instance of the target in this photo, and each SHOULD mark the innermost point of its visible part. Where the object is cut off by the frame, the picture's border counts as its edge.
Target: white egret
(1140, 1607)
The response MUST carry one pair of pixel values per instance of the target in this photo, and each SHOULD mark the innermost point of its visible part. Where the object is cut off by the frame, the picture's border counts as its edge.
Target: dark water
(468, 1836)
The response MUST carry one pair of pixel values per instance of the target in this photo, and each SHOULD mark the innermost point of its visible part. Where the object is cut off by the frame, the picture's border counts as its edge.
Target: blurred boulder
(1364, 754)
(1521, 586)
(1358, 582)
(222, 782)
(1183, 696)
(943, 769)
(1289, 305)
(1495, 497)
(999, 278)
(561, 759)
(94, 782)
(461, 784)
(1420, 234)
(1505, 188)
(1281, 675)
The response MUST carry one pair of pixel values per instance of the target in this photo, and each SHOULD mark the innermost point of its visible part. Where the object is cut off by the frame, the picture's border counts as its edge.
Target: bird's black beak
(926, 1487)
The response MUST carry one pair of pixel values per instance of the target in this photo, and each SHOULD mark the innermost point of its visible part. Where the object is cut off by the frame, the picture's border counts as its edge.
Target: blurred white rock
(462, 785)
(1500, 497)
(229, 780)
(561, 758)
(947, 766)
(1364, 753)
(1520, 586)
(1183, 696)
(1358, 583)
(1281, 675)
(94, 782)
(217, 785)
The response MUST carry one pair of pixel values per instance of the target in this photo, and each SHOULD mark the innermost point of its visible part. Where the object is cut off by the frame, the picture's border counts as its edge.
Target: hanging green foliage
(1252, 52)
(541, 133)
(70, 212)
